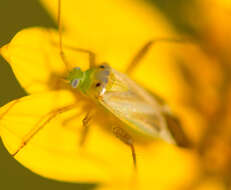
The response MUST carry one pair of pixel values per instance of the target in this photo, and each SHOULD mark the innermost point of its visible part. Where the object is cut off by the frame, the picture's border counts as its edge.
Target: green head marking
(80, 79)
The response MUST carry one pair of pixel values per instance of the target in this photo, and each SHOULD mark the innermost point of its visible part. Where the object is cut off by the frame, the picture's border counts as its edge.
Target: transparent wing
(135, 107)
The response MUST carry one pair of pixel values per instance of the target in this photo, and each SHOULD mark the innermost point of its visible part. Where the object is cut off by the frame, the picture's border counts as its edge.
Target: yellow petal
(114, 39)
(54, 152)
(34, 57)
(114, 29)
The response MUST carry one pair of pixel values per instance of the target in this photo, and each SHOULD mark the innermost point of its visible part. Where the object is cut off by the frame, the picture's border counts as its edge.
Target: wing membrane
(134, 106)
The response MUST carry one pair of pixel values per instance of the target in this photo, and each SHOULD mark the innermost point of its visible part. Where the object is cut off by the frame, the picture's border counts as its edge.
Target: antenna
(62, 55)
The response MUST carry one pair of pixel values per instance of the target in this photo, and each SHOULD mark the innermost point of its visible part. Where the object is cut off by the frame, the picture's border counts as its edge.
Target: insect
(140, 114)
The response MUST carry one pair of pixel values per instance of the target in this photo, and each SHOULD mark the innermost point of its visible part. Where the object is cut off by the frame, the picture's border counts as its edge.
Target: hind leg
(127, 139)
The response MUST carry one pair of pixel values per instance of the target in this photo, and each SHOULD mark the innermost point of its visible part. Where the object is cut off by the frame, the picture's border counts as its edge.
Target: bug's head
(75, 77)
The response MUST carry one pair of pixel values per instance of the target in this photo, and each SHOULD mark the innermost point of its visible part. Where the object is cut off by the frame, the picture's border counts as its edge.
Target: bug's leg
(138, 57)
(85, 129)
(91, 54)
(127, 139)
(144, 50)
(41, 124)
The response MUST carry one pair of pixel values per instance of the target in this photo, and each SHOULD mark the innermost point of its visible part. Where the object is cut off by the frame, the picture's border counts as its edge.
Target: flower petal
(116, 30)
(27, 54)
(113, 29)
(54, 151)
(34, 57)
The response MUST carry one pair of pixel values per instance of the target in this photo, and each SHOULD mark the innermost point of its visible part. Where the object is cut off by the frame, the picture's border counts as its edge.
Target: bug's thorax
(100, 77)
(92, 82)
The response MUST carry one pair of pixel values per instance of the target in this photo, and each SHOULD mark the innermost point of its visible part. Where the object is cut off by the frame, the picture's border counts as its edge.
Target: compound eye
(75, 83)
(98, 84)
(104, 66)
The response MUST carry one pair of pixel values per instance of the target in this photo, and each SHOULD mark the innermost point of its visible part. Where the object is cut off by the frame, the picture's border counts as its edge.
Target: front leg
(85, 130)
(41, 124)
(139, 56)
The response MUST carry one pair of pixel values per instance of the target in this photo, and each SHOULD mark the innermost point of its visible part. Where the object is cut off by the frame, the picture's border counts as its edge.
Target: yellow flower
(114, 30)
